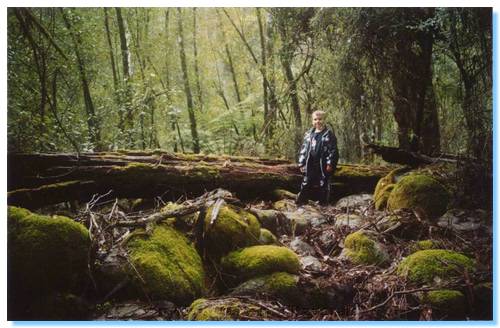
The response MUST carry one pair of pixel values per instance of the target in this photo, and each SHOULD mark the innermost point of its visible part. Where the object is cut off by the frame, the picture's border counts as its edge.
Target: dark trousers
(315, 193)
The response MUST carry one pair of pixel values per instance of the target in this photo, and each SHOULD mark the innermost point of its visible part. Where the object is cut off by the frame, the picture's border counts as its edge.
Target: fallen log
(36, 180)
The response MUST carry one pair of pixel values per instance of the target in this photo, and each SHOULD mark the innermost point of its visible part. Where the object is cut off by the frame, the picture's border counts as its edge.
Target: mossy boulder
(282, 285)
(285, 205)
(384, 187)
(271, 220)
(230, 229)
(422, 192)
(279, 194)
(382, 196)
(168, 265)
(433, 265)
(446, 304)
(45, 255)
(351, 220)
(267, 237)
(225, 309)
(256, 261)
(361, 249)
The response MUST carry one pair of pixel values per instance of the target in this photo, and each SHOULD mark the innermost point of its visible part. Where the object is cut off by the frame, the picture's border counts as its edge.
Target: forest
(152, 163)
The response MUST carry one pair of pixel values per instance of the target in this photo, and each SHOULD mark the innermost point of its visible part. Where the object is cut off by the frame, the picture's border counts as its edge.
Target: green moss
(45, 255)
(419, 191)
(169, 267)
(382, 196)
(233, 228)
(285, 205)
(424, 244)
(446, 302)
(279, 194)
(224, 309)
(360, 249)
(260, 260)
(426, 265)
(267, 237)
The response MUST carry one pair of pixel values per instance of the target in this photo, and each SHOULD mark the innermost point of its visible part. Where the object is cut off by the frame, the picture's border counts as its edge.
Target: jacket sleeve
(303, 150)
(332, 152)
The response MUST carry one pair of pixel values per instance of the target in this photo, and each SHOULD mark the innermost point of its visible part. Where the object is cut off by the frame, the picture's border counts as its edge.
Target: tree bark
(111, 52)
(196, 68)
(187, 88)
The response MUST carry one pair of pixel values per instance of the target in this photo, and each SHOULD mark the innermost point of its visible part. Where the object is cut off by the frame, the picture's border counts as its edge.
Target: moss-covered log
(43, 179)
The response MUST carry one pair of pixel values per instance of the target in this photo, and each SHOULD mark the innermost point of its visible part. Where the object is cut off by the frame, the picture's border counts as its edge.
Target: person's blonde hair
(319, 112)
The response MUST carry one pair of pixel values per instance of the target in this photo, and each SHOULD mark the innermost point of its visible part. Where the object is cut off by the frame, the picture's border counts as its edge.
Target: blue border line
(494, 322)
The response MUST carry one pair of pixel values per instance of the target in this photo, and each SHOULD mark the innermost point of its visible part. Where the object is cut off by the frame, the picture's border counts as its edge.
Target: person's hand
(329, 168)
(302, 169)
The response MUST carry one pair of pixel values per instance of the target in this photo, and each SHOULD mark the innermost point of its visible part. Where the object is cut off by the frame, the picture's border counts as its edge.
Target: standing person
(318, 159)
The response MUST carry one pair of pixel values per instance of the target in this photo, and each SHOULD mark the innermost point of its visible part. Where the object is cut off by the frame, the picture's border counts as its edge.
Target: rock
(59, 306)
(385, 186)
(280, 194)
(168, 265)
(446, 304)
(281, 285)
(434, 266)
(361, 249)
(267, 237)
(272, 220)
(46, 255)
(231, 229)
(285, 205)
(303, 218)
(260, 260)
(138, 311)
(351, 220)
(310, 263)
(302, 248)
(418, 191)
(226, 309)
(465, 220)
(354, 201)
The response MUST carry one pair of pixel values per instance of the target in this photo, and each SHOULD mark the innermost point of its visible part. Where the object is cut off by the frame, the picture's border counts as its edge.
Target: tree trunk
(92, 121)
(187, 88)
(111, 52)
(196, 68)
(126, 124)
(43, 179)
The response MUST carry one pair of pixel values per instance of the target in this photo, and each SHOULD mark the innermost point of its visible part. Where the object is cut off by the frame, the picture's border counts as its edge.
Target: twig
(401, 292)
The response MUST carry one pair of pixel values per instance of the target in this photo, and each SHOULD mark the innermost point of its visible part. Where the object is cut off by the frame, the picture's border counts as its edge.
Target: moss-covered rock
(382, 196)
(427, 266)
(168, 265)
(232, 228)
(271, 219)
(45, 255)
(361, 249)
(351, 220)
(285, 205)
(225, 309)
(282, 285)
(260, 260)
(267, 237)
(279, 194)
(446, 304)
(422, 192)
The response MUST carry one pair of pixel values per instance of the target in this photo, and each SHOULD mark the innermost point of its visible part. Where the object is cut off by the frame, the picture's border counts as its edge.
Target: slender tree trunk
(126, 124)
(111, 52)
(263, 59)
(187, 88)
(196, 68)
(92, 121)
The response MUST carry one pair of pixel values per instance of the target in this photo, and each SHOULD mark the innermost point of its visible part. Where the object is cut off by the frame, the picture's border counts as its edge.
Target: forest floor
(366, 292)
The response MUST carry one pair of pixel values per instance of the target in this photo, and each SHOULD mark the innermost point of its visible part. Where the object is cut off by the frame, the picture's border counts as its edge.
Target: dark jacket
(328, 152)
